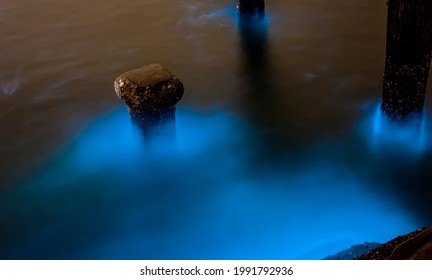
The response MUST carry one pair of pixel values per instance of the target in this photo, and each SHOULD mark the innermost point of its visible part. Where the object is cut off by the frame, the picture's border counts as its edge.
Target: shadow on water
(259, 93)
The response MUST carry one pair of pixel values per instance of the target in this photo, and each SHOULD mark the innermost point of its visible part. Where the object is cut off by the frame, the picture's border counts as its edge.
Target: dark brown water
(276, 132)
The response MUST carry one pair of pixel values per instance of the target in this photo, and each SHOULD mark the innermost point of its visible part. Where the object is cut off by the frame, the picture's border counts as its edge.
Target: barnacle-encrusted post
(151, 94)
(408, 58)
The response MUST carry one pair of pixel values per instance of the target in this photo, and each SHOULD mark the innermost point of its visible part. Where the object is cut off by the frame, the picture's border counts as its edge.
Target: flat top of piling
(147, 75)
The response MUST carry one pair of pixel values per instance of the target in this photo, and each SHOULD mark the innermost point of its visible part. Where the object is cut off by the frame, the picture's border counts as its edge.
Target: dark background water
(281, 152)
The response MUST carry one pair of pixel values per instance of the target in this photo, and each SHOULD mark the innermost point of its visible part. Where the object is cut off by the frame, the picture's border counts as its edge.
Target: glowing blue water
(409, 138)
(211, 193)
(199, 197)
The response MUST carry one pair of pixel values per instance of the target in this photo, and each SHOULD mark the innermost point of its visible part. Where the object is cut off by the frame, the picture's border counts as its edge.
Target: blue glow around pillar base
(113, 197)
(410, 137)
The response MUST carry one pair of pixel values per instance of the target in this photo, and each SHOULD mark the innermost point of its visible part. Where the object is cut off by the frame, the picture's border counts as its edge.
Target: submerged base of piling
(160, 123)
(251, 8)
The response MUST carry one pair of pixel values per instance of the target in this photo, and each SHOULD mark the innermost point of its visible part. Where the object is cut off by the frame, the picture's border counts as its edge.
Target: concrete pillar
(408, 58)
(151, 94)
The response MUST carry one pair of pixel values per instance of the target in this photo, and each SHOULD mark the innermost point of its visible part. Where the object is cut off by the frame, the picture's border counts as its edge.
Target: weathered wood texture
(408, 58)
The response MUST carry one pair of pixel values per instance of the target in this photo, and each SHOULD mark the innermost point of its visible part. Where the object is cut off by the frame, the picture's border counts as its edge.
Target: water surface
(280, 152)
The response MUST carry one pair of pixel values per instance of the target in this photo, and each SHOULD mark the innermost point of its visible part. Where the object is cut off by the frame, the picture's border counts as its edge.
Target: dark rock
(416, 245)
(353, 251)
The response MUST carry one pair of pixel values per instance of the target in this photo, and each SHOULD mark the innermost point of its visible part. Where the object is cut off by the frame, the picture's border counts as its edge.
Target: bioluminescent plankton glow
(201, 199)
(278, 148)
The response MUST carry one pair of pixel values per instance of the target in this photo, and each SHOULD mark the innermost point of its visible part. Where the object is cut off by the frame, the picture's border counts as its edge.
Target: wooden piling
(408, 58)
